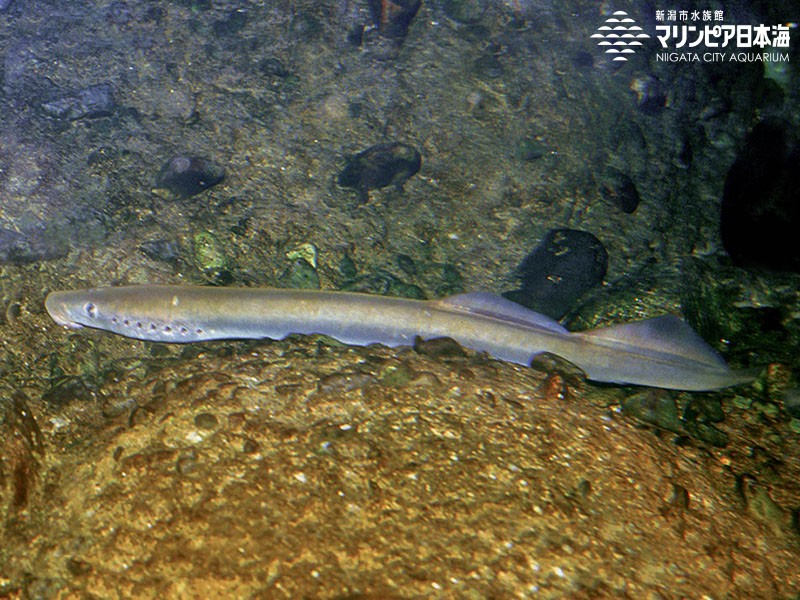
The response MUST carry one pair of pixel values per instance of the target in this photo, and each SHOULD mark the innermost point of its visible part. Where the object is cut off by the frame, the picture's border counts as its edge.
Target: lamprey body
(660, 352)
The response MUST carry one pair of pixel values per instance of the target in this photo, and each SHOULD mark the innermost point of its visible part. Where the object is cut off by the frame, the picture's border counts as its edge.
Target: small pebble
(92, 102)
(206, 421)
(393, 17)
(654, 407)
(619, 189)
(380, 166)
(186, 176)
(440, 347)
(32, 245)
(167, 251)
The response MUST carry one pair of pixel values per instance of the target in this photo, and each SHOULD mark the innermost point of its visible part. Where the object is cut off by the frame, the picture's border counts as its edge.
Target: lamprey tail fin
(668, 334)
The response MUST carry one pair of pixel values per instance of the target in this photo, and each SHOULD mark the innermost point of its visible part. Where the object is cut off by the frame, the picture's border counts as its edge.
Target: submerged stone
(654, 407)
(91, 102)
(566, 265)
(651, 94)
(186, 176)
(530, 149)
(393, 17)
(168, 251)
(210, 258)
(300, 274)
(380, 166)
(619, 189)
(32, 245)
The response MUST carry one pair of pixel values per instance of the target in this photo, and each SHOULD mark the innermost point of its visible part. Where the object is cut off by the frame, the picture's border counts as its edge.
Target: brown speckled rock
(294, 469)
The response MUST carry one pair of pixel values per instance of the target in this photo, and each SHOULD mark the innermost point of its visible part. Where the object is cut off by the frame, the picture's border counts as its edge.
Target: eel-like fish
(660, 352)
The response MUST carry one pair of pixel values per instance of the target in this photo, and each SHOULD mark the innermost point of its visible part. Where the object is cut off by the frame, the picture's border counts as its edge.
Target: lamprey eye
(90, 309)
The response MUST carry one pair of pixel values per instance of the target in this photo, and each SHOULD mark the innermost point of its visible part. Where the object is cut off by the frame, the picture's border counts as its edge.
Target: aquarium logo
(700, 36)
(620, 36)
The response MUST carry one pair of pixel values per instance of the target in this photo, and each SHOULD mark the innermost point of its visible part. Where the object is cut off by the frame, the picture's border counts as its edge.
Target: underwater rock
(211, 259)
(559, 271)
(168, 251)
(488, 66)
(761, 201)
(619, 190)
(307, 252)
(651, 94)
(380, 166)
(393, 17)
(300, 274)
(35, 244)
(273, 67)
(186, 176)
(231, 25)
(91, 102)
(530, 149)
(406, 264)
(347, 267)
(583, 59)
(654, 407)
(305, 27)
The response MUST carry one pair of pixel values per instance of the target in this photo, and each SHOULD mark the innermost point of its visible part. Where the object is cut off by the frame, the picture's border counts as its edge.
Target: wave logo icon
(620, 35)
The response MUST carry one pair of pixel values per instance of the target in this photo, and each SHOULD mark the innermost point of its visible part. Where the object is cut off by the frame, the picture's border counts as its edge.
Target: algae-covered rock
(210, 257)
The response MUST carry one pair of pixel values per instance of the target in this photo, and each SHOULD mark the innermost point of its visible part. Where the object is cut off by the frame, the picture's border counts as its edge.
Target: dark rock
(185, 176)
(231, 25)
(452, 282)
(620, 190)
(654, 407)
(406, 290)
(441, 347)
(549, 363)
(393, 17)
(92, 102)
(305, 27)
(760, 214)
(488, 66)
(301, 275)
(559, 271)
(347, 267)
(167, 251)
(32, 245)
(68, 389)
(705, 432)
(406, 264)
(380, 166)
(272, 67)
(704, 410)
(651, 94)
(531, 149)
(583, 59)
